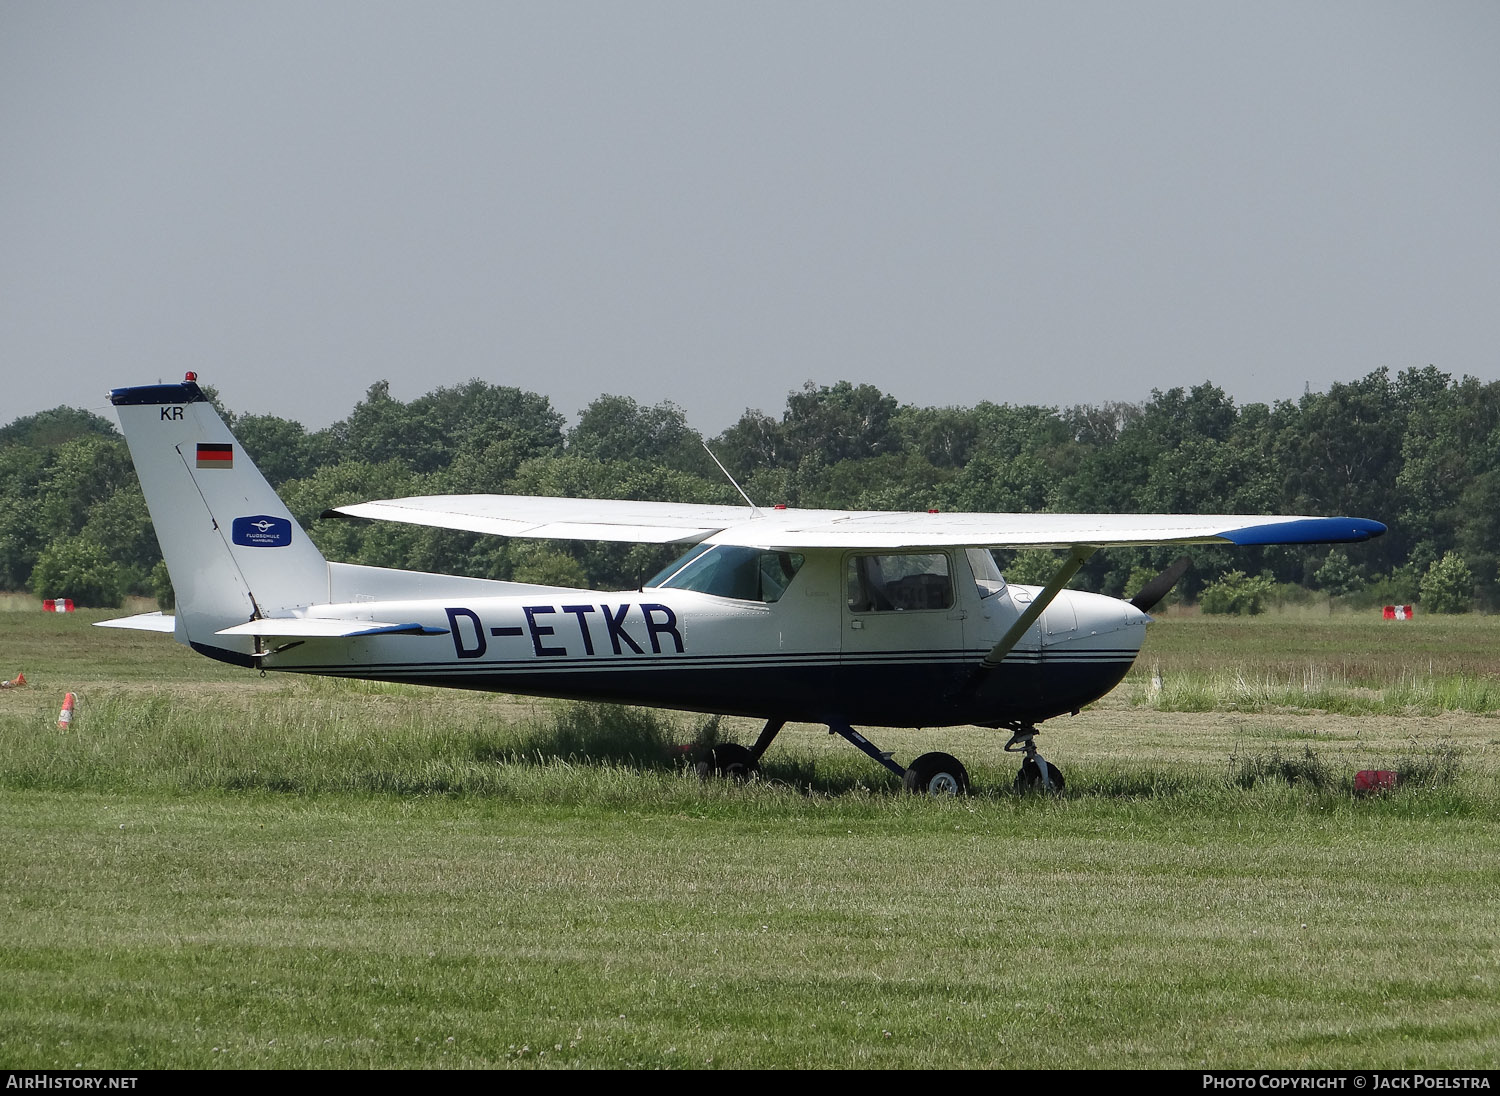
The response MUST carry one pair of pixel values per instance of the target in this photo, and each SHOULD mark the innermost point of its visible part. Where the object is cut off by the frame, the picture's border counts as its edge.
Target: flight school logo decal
(215, 455)
(262, 531)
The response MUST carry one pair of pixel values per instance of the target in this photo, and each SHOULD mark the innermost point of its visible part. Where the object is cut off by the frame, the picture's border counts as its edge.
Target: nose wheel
(1037, 773)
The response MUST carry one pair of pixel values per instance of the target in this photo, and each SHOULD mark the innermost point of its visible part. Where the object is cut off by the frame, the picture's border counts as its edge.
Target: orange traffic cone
(20, 680)
(65, 716)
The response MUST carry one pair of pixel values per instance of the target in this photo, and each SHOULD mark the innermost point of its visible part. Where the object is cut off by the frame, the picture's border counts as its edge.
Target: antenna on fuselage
(754, 510)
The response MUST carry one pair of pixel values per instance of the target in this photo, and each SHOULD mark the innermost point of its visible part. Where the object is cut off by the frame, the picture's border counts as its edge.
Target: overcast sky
(712, 203)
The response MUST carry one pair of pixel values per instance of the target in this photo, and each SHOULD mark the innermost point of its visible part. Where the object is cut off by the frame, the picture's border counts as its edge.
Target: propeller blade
(1161, 585)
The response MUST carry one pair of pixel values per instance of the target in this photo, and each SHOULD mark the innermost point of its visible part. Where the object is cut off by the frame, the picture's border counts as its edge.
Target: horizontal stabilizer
(327, 627)
(145, 622)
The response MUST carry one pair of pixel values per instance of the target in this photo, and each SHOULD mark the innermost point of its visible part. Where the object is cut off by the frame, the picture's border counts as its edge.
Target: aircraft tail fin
(232, 548)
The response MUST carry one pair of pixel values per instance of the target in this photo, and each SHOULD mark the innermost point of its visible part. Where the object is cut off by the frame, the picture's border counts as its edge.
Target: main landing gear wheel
(936, 774)
(726, 759)
(1030, 777)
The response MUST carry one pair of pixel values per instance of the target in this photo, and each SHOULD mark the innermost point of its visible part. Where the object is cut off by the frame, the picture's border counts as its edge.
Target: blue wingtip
(1308, 531)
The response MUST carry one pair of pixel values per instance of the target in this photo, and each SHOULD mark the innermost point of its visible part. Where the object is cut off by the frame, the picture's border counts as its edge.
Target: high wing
(785, 529)
(557, 518)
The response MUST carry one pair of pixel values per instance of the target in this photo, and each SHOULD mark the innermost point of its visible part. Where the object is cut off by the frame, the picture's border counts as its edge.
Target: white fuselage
(810, 655)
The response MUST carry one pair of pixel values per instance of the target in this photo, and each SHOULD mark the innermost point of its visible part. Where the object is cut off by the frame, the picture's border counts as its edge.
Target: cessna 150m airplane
(842, 618)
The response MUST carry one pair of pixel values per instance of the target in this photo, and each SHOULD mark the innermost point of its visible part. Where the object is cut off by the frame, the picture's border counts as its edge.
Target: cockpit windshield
(731, 570)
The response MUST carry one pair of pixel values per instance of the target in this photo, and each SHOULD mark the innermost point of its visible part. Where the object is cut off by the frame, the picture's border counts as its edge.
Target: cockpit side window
(730, 570)
(776, 572)
(987, 576)
(897, 582)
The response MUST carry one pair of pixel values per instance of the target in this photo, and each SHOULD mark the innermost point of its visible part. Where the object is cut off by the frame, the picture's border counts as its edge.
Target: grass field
(211, 868)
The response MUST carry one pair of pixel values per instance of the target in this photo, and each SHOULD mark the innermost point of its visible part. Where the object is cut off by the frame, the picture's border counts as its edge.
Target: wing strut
(1077, 556)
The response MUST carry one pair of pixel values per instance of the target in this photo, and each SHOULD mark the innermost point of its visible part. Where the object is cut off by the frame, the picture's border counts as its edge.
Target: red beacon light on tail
(190, 377)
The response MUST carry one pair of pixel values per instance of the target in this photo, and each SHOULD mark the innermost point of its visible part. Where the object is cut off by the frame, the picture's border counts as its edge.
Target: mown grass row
(1316, 688)
(1362, 649)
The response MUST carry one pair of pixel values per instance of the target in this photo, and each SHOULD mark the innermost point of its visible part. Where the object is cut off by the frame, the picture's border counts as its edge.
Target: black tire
(726, 759)
(936, 774)
(1030, 777)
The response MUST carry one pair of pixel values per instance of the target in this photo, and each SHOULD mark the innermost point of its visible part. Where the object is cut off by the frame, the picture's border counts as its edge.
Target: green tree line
(1419, 450)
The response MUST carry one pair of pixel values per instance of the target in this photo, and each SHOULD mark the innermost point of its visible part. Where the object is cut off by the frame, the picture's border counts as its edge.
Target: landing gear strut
(1036, 772)
(935, 774)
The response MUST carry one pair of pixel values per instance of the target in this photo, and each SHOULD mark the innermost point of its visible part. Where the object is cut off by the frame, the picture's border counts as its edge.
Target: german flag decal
(214, 455)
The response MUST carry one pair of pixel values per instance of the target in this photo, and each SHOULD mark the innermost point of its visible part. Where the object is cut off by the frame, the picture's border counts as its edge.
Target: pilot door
(902, 609)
